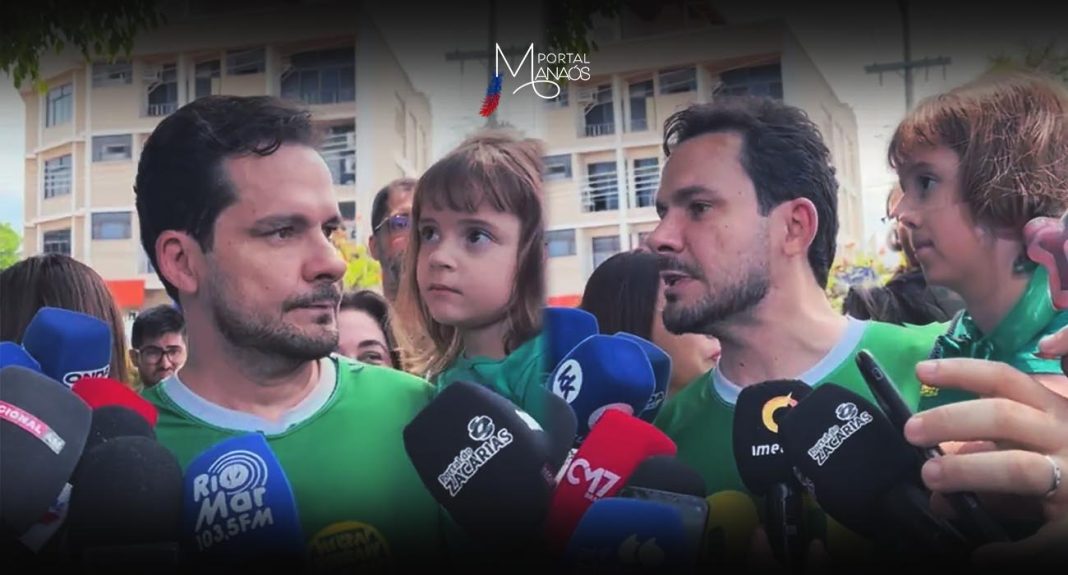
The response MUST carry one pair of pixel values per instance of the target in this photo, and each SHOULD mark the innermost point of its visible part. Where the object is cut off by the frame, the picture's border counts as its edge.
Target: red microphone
(615, 447)
(101, 391)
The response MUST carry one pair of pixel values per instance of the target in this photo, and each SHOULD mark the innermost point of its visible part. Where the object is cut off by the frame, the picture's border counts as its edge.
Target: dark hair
(622, 293)
(381, 203)
(782, 153)
(155, 322)
(378, 308)
(905, 299)
(181, 182)
(57, 280)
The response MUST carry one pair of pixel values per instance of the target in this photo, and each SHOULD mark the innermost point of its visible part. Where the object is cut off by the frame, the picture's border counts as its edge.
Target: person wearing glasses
(158, 343)
(976, 164)
(390, 217)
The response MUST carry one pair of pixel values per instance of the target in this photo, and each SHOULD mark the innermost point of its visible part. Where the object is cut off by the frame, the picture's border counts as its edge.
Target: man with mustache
(236, 208)
(748, 224)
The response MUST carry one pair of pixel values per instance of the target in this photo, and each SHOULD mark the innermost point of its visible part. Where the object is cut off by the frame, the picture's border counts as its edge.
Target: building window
(111, 226)
(560, 101)
(601, 192)
(57, 176)
(604, 247)
(557, 167)
(60, 105)
(348, 210)
(646, 181)
(162, 89)
(206, 79)
(321, 77)
(640, 239)
(242, 62)
(600, 118)
(339, 151)
(112, 148)
(639, 115)
(560, 243)
(678, 80)
(758, 81)
(57, 242)
(116, 74)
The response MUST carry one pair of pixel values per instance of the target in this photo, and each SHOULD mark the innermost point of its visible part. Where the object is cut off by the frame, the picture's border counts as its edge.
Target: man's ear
(802, 222)
(180, 260)
(372, 247)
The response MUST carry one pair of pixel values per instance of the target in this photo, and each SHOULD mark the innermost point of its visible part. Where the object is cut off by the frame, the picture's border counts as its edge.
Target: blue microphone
(661, 364)
(630, 535)
(238, 505)
(565, 327)
(68, 345)
(12, 353)
(603, 372)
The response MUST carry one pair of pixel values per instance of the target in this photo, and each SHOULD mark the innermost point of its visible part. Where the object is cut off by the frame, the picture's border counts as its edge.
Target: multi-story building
(604, 136)
(84, 133)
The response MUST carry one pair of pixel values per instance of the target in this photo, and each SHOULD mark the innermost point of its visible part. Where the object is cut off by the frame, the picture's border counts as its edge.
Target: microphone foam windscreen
(660, 361)
(847, 454)
(624, 535)
(484, 460)
(758, 415)
(127, 492)
(667, 473)
(561, 428)
(564, 328)
(113, 421)
(43, 429)
(68, 345)
(12, 353)
(603, 373)
(238, 504)
(101, 391)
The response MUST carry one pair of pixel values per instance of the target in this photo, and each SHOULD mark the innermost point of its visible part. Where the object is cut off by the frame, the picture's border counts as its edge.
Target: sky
(841, 38)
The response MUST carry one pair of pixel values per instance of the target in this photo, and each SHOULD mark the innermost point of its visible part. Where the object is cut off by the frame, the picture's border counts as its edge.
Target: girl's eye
(926, 184)
(371, 357)
(478, 237)
(428, 233)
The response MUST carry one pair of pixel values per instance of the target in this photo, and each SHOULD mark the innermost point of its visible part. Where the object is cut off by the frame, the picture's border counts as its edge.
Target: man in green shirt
(748, 225)
(237, 208)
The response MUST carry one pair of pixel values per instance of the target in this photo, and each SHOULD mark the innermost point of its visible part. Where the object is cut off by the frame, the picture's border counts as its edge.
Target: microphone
(565, 327)
(560, 429)
(68, 345)
(603, 373)
(12, 353)
(732, 521)
(765, 468)
(104, 391)
(660, 361)
(113, 421)
(43, 429)
(125, 508)
(485, 461)
(861, 471)
(629, 535)
(666, 473)
(600, 468)
(238, 505)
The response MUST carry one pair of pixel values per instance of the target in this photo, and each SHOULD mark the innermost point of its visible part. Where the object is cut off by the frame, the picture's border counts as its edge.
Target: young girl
(976, 164)
(472, 291)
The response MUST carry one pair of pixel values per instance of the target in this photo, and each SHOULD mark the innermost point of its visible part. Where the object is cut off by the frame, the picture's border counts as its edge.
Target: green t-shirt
(343, 452)
(1014, 341)
(700, 418)
(520, 376)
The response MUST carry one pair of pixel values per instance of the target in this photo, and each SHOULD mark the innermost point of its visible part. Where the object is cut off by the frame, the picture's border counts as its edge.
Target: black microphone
(765, 468)
(126, 506)
(561, 427)
(863, 474)
(973, 518)
(667, 473)
(113, 421)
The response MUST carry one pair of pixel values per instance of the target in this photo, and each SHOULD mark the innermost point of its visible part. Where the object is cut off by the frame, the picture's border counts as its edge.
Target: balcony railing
(339, 151)
(600, 193)
(594, 130)
(638, 125)
(644, 182)
(163, 109)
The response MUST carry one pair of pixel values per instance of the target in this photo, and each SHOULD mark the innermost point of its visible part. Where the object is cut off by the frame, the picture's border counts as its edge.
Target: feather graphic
(493, 97)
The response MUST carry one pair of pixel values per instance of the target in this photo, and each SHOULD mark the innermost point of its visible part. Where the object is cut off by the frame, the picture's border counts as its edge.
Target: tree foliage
(362, 271)
(9, 246)
(96, 28)
(1045, 57)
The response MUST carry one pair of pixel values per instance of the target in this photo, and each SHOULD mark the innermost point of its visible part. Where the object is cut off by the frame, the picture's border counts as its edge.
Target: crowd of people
(237, 208)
